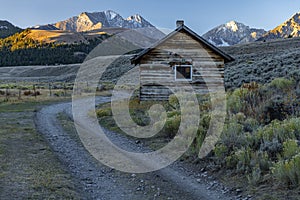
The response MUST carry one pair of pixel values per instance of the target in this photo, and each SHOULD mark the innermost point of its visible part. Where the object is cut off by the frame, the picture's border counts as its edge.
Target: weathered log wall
(157, 67)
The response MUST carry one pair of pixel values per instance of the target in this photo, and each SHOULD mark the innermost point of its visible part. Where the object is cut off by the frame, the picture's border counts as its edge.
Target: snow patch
(3, 27)
(224, 44)
(110, 14)
(212, 42)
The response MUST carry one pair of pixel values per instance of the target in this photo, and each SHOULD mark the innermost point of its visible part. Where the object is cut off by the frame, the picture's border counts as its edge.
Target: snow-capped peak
(106, 19)
(110, 14)
(232, 33)
(232, 25)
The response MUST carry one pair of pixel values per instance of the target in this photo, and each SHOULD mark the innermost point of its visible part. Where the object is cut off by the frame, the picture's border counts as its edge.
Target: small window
(183, 72)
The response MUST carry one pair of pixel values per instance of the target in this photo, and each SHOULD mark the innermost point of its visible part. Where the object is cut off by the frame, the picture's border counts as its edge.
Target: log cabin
(181, 58)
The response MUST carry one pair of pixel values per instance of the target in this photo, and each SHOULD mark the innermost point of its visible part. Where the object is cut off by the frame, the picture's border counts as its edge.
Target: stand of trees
(21, 50)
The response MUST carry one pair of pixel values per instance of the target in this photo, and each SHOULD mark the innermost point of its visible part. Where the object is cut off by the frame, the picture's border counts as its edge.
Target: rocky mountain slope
(288, 29)
(8, 29)
(47, 27)
(233, 33)
(110, 22)
(97, 20)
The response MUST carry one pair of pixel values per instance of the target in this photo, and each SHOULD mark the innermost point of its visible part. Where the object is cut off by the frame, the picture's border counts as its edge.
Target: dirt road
(97, 181)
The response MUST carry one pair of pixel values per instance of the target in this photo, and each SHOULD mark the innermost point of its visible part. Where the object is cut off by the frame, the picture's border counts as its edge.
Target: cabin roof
(227, 58)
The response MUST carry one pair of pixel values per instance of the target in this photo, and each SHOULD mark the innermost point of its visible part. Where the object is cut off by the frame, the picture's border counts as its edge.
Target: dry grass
(28, 167)
(58, 36)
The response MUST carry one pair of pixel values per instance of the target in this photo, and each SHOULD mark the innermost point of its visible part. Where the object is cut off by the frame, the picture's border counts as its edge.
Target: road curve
(96, 181)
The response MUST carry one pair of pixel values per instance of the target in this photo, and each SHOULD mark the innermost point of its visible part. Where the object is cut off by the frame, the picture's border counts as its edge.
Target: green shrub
(244, 159)
(272, 148)
(277, 100)
(260, 159)
(172, 125)
(290, 149)
(255, 176)
(288, 172)
(250, 125)
(173, 101)
(280, 131)
(234, 101)
(231, 161)
(233, 136)
(103, 112)
(196, 145)
(173, 113)
(221, 151)
(282, 84)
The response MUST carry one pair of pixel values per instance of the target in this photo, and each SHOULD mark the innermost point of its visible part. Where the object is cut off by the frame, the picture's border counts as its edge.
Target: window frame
(183, 79)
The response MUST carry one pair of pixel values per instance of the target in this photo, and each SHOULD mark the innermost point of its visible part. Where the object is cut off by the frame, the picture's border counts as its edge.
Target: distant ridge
(233, 33)
(7, 29)
(87, 21)
(289, 29)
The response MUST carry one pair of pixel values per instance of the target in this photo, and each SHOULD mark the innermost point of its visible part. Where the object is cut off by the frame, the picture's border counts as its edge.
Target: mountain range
(233, 32)
(97, 20)
(110, 22)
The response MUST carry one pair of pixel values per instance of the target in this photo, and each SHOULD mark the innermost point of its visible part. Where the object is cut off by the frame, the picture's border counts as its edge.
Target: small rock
(133, 175)
(198, 180)
(204, 174)
(238, 191)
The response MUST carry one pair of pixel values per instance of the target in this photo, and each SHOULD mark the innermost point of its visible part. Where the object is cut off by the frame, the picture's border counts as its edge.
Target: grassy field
(28, 167)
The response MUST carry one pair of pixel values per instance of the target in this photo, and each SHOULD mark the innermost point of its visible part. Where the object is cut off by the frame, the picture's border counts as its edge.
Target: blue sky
(200, 15)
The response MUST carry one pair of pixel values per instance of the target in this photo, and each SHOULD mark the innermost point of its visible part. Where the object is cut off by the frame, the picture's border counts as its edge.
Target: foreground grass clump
(261, 137)
(265, 103)
(139, 114)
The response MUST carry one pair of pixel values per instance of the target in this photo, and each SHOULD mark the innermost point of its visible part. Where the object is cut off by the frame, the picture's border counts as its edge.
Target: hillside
(7, 29)
(56, 37)
(288, 29)
(35, 47)
(46, 47)
(262, 62)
